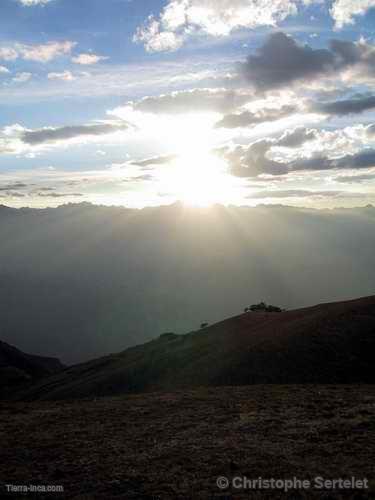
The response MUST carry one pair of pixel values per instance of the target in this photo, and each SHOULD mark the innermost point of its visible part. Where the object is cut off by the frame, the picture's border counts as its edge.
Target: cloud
(296, 193)
(4, 70)
(248, 118)
(181, 19)
(13, 194)
(65, 76)
(8, 54)
(16, 139)
(345, 11)
(362, 159)
(14, 185)
(357, 104)
(47, 52)
(51, 135)
(140, 178)
(156, 160)
(196, 100)
(262, 157)
(38, 53)
(88, 59)
(31, 3)
(354, 179)
(253, 160)
(46, 189)
(52, 194)
(281, 61)
(295, 138)
(155, 39)
(22, 77)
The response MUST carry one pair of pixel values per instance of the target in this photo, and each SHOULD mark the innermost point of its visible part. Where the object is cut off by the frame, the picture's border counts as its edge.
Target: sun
(197, 176)
(198, 179)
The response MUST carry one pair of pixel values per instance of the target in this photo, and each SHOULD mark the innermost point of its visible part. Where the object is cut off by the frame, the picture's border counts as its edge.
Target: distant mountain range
(18, 368)
(81, 281)
(330, 344)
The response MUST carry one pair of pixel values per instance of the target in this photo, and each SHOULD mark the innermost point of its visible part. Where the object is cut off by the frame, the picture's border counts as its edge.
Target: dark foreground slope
(17, 367)
(174, 446)
(328, 343)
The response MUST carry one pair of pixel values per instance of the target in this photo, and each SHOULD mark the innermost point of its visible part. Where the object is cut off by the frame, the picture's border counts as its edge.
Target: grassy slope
(174, 445)
(328, 343)
(17, 367)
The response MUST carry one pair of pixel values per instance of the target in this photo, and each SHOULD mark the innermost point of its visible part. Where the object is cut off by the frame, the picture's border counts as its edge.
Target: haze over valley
(81, 281)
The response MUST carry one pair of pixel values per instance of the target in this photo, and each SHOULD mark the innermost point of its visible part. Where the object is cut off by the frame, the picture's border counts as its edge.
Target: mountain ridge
(327, 343)
(18, 368)
(104, 279)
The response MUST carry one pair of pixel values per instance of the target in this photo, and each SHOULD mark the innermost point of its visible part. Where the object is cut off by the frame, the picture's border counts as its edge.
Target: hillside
(173, 446)
(17, 367)
(328, 343)
(104, 279)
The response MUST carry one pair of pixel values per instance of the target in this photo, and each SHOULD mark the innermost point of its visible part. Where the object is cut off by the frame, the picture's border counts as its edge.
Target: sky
(150, 102)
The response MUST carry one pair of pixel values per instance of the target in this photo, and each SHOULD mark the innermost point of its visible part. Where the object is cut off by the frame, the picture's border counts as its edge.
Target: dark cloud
(358, 104)
(43, 194)
(347, 53)
(296, 193)
(253, 160)
(156, 160)
(318, 162)
(297, 137)
(363, 159)
(193, 101)
(140, 178)
(14, 185)
(248, 118)
(46, 135)
(355, 179)
(282, 61)
(13, 194)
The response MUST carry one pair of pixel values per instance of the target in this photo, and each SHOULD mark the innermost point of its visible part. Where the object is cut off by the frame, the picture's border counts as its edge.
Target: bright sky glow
(141, 103)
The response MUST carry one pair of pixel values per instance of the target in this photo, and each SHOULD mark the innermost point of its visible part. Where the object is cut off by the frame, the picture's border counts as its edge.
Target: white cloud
(344, 11)
(65, 76)
(182, 18)
(87, 59)
(38, 53)
(8, 54)
(22, 77)
(47, 52)
(31, 3)
(192, 101)
(4, 70)
(155, 39)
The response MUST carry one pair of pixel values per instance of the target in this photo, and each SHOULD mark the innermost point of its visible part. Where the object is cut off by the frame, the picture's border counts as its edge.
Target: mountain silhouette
(18, 368)
(326, 344)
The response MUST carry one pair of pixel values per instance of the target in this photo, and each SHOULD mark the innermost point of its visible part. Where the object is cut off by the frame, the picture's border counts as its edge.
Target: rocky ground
(175, 446)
